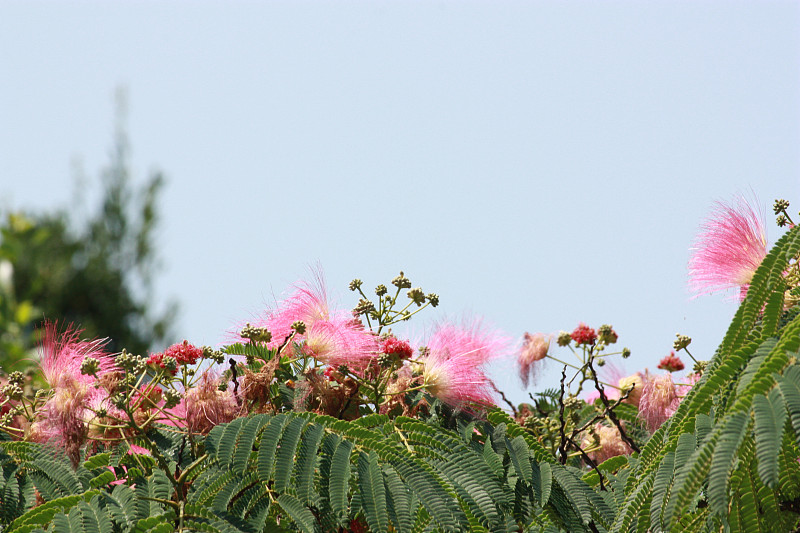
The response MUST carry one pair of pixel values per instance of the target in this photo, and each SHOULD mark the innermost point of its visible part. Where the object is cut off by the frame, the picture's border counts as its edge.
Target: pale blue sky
(536, 163)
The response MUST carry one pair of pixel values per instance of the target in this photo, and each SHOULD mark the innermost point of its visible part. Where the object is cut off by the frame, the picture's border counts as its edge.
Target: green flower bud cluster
(170, 364)
(7, 418)
(215, 355)
(131, 363)
(780, 206)
(129, 380)
(572, 402)
(417, 296)
(12, 391)
(564, 338)
(299, 326)
(90, 366)
(700, 367)
(385, 360)
(401, 281)
(364, 307)
(681, 342)
(355, 284)
(606, 334)
(16, 377)
(381, 290)
(626, 352)
(119, 400)
(171, 398)
(255, 334)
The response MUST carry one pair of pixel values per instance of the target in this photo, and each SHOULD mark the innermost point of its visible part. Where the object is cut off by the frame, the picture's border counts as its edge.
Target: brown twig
(609, 411)
(562, 446)
(503, 396)
(234, 378)
(589, 461)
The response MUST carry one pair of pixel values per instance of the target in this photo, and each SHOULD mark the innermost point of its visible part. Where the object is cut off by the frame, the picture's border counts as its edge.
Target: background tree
(96, 273)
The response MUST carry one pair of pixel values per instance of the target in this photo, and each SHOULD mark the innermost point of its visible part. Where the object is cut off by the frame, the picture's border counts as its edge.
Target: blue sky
(534, 163)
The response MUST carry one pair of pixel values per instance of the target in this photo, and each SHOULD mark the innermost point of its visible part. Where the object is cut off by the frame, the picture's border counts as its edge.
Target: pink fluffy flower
(62, 419)
(729, 249)
(63, 353)
(534, 348)
(332, 335)
(453, 370)
(307, 302)
(341, 342)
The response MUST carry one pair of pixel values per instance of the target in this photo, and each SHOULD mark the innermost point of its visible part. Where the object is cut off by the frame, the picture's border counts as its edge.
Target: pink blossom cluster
(671, 363)
(394, 346)
(583, 334)
(184, 353)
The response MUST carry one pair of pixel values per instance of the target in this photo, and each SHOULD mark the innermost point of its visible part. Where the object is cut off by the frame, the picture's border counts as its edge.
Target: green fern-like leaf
(299, 513)
(340, 478)
(398, 501)
(244, 446)
(769, 417)
(307, 462)
(789, 385)
(730, 438)
(43, 514)
(373, 492)
(285, 457)
(268, 445)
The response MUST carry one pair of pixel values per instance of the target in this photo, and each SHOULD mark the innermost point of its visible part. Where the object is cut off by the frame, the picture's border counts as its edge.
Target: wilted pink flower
(729, 249)
(205, 406)
(671, 363)
(659, 400)
(610, 443)
(534, 348)
(453, 371)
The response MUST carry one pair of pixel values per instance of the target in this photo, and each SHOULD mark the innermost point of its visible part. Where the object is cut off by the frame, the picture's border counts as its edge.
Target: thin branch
(562, 446)
(610, 411)
(503, 396)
